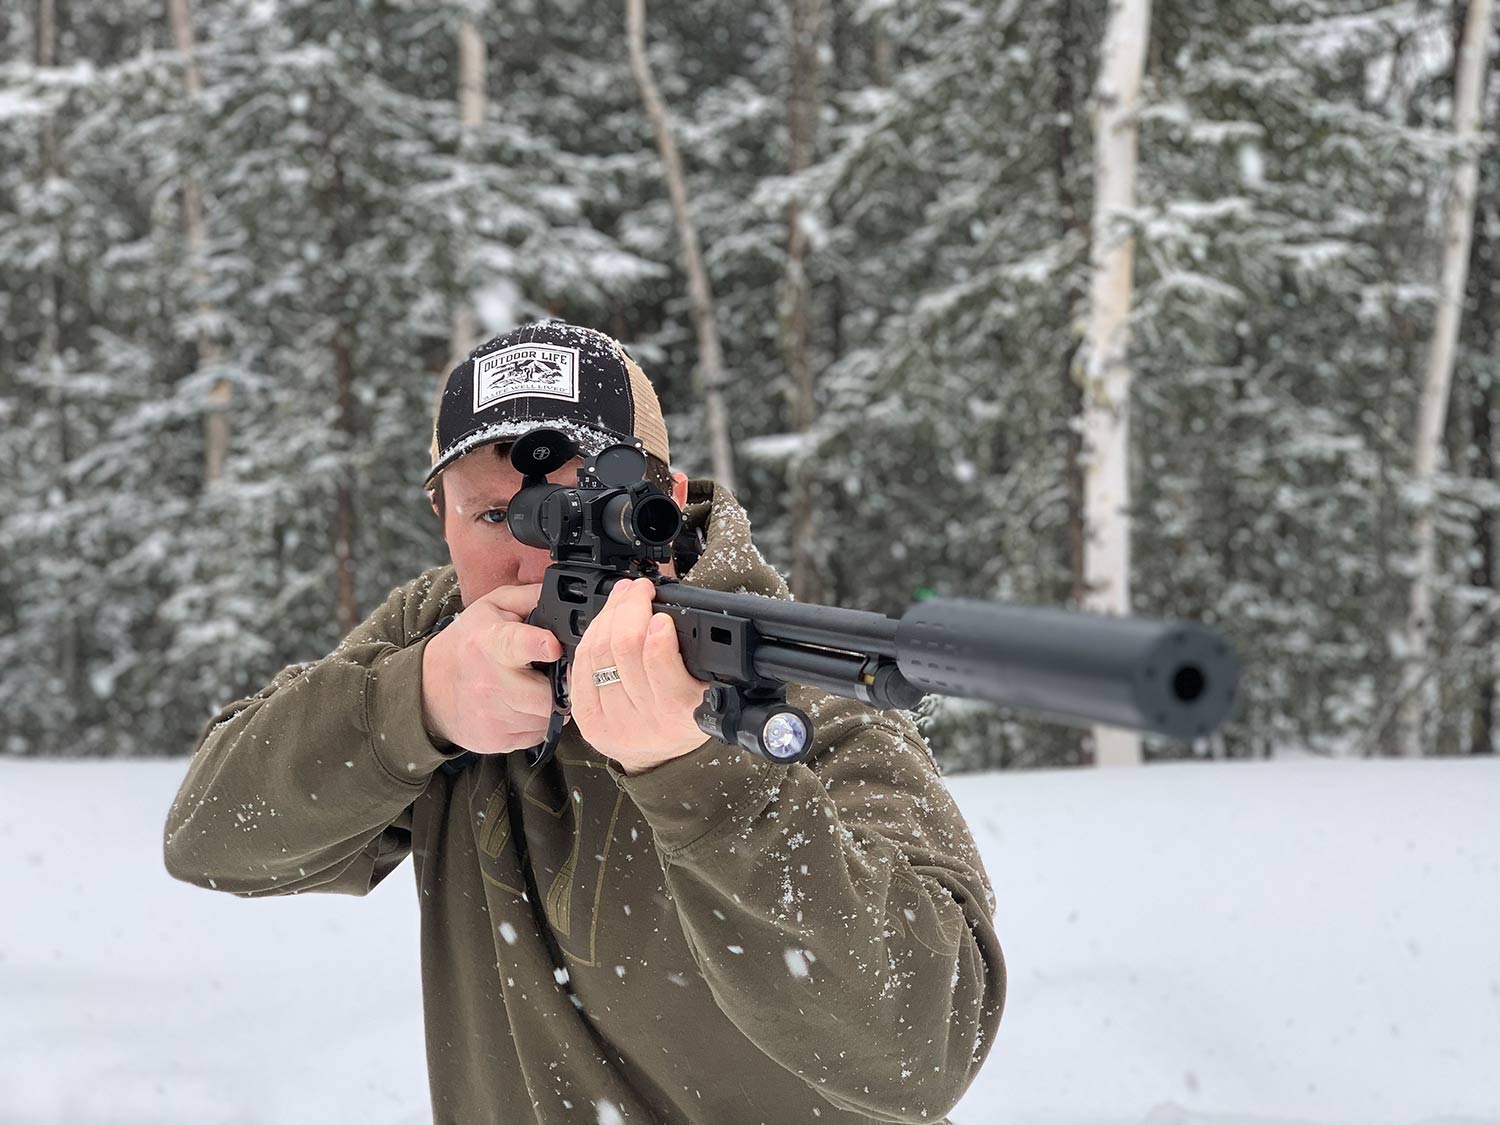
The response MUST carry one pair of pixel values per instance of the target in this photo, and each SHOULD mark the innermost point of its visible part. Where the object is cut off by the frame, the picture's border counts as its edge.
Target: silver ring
(606, 676)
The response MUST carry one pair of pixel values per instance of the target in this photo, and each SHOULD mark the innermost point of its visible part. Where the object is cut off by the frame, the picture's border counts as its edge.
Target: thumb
(514, 602)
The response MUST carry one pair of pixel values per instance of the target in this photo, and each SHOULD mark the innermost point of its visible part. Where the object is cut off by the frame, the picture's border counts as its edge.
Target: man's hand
(646, 718)
(478, 689)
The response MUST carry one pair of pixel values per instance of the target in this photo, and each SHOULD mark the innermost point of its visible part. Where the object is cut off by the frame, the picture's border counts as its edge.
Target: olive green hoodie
(718, 940)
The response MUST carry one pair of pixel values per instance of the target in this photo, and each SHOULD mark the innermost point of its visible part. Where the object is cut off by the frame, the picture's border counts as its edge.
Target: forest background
(231, 279)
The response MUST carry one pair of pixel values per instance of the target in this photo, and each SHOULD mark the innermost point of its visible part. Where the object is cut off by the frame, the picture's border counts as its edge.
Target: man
(655, 926)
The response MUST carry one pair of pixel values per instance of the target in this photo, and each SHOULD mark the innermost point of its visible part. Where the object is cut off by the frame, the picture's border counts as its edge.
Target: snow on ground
(1246, 944)
(1300, 941)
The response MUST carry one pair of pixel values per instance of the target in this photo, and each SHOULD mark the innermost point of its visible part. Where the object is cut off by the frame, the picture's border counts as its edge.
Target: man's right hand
(478, 688)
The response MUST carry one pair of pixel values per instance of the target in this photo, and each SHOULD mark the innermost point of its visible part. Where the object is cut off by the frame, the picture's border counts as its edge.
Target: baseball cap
(549, 373)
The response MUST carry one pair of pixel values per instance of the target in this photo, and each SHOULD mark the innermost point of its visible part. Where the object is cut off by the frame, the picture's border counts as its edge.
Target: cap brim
(589, 440)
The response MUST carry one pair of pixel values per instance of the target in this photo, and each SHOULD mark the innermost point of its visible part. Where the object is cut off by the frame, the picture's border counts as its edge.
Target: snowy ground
(1243, 944)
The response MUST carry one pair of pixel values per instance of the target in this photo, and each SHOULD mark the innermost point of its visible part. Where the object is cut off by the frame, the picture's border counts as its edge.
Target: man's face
(477, 489)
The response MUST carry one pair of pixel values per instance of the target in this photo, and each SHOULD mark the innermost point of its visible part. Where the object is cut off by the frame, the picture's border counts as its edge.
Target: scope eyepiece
(539, 514)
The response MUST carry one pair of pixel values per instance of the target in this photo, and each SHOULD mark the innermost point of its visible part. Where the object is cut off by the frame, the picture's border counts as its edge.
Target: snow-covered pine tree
(955, 207)
(1286, 278)
(90, 495)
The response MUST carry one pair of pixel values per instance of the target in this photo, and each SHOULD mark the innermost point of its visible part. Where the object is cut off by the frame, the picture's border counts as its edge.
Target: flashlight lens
(784, 736)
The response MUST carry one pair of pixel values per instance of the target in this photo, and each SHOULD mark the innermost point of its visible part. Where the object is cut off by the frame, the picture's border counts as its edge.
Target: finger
(611, 701)
(592, 650)
(627, 652)
(583, 695)
(517, 600)
(527, 735)
(509, 604)
(673, 686)
(592, 654)
(525, 692)
(511, 740)
(492, 613)
(513, 644)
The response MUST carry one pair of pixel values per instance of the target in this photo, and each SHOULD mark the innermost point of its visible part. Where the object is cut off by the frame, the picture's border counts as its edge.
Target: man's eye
(493, 516)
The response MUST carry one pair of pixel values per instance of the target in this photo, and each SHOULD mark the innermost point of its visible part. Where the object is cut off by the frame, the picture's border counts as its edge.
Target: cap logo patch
(525, 371)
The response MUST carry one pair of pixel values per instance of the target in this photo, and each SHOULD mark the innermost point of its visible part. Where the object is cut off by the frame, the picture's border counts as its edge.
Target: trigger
(541, 754)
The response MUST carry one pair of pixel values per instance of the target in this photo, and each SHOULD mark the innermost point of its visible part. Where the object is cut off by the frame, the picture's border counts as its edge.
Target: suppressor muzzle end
(1172, 678)
(1187, 683)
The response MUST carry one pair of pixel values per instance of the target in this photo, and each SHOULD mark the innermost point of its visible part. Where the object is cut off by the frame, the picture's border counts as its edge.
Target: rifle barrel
(1162, 676)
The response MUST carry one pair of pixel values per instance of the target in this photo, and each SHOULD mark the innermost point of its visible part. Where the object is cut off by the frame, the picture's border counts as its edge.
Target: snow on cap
(548, 373)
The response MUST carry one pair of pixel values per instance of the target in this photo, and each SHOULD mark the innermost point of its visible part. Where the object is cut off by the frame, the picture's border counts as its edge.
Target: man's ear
(679, 489)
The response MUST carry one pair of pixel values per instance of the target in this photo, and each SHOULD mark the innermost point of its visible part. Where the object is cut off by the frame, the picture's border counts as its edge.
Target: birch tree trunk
(1106, 371)
(1419, 684)
(216, 421)
(710, 356)
(796, 297)
(472, 62)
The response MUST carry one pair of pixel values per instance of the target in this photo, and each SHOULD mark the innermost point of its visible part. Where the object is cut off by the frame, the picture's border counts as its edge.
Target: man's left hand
(647, 717)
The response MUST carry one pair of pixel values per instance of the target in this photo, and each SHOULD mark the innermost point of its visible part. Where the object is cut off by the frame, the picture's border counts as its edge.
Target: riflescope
(611, 516)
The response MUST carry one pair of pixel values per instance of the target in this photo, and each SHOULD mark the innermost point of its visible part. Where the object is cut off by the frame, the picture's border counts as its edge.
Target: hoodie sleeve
(307, 785)
(838, 908)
